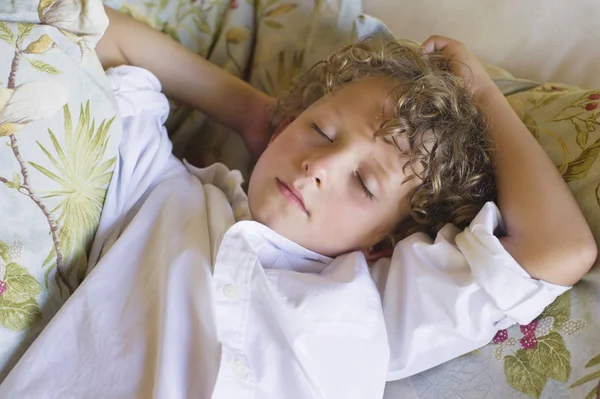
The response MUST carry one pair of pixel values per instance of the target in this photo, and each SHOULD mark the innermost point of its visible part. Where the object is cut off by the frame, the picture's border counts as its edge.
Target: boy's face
(325, 182)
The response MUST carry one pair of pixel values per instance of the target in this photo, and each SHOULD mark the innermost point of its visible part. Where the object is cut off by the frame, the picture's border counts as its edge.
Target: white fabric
(544, 40)
(189, 298)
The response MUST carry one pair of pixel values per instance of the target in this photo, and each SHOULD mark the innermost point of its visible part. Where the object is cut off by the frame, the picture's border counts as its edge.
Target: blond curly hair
(456, 173)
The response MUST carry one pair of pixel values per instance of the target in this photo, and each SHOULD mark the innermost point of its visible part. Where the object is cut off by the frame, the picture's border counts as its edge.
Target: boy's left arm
(189, 78)
(546, 232)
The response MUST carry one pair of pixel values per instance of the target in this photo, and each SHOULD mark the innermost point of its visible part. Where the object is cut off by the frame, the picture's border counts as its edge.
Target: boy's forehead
(370, 96)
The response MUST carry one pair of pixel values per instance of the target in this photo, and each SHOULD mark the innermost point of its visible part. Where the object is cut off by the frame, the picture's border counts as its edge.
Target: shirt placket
(231, 281)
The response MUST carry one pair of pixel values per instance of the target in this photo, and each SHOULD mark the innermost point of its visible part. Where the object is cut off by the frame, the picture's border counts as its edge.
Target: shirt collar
(277, 252)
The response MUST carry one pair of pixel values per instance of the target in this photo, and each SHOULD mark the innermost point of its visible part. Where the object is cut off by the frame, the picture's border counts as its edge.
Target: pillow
(566, 122)
(553, 356)
(59, 131)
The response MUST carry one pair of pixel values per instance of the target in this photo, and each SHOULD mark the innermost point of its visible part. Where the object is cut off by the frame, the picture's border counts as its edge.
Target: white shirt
(191, 299)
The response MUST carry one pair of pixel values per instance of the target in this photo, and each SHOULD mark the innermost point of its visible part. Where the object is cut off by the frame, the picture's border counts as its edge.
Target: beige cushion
(544, 40)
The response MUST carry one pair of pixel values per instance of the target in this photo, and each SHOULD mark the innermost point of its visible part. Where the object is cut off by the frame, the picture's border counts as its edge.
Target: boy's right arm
(189, 78)
(546, 232)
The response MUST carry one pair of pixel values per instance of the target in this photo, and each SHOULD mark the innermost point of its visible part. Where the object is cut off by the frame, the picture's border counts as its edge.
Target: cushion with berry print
(59, 133)
(557, 354)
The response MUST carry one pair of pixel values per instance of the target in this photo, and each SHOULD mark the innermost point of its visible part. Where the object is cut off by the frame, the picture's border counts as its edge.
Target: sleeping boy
(323, 281)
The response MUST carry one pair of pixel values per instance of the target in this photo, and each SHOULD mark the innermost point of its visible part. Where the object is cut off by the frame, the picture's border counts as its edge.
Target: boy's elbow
(563, 263)
(577, 260)
(588, 255)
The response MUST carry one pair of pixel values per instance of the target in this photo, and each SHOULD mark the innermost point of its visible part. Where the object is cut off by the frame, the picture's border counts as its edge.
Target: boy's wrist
(487, 91)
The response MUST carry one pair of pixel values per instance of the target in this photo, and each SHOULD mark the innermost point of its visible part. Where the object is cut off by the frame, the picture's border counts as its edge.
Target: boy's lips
(292, 195)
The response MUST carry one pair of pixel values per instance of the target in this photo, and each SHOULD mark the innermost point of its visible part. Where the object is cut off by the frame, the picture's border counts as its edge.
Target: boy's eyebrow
(383, 177)
(336, 111)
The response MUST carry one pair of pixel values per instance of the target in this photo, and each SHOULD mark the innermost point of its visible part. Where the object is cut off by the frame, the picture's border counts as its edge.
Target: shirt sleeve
(144, 158)
(443, 298)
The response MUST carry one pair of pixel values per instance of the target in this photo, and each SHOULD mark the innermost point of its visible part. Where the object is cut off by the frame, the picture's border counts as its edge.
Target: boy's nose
(322, 167)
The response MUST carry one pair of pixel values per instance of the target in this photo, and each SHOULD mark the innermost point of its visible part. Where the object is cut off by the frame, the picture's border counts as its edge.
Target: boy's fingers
(435, 43)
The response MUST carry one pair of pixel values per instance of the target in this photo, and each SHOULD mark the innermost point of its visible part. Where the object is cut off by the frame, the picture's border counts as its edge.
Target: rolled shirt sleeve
(446, 297)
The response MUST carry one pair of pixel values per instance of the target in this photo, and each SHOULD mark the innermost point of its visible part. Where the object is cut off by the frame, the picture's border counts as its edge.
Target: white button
(230, 292)
(239, 369)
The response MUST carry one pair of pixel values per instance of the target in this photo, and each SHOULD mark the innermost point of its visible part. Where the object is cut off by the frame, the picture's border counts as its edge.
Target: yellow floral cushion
(566, 122)
(59, 132)
(557, 354)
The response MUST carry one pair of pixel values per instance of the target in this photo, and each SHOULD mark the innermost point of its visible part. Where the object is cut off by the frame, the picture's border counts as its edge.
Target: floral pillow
(59, 131)
(557, 354)
(556, 346)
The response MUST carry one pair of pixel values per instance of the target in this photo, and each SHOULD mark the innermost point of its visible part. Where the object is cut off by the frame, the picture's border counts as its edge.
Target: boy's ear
(285, 123)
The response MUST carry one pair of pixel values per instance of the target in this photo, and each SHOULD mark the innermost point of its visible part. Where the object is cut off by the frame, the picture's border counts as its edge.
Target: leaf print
(590, 125)
(580, 166)
(542, 99)
(594, 361)
(287, 69)
(587, 378)
(23, 30)
(521, 375)
(531, 125)
(21, 286)
(551, 98)
(79, 168)
(282, 9)
(593, 393)
(551, 357)
(40, 46)
(590, 377)
(237, 35)
(15, 183)
(3, 253)
(18, 316)
(43, 67)
(559, 310)
(202, 26)
(582, 136)
(273, 24)
(6, 34)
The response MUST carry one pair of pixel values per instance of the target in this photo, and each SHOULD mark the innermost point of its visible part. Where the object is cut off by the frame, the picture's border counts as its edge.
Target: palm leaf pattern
(82, 173)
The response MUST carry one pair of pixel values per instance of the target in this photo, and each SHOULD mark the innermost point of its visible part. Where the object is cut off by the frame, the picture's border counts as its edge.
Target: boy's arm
(546, 232)
(189, 78)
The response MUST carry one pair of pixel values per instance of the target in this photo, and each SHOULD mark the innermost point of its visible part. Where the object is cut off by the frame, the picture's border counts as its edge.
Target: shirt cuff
(514, 291)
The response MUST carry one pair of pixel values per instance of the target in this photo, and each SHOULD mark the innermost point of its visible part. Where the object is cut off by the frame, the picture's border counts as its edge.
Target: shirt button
(239, 369)
(230, 292)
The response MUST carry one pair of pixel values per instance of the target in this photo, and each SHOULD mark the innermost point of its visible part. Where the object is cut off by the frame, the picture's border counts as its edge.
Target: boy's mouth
(292, 195)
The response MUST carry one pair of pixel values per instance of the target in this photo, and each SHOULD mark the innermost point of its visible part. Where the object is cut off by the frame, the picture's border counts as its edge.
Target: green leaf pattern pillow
(59, 131)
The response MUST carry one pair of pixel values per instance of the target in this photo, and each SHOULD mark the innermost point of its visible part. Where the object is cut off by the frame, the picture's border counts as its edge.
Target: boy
(191, 298)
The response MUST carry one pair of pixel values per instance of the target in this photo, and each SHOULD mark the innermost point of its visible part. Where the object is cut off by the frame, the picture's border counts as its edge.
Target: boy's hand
(464, 63)
(189, 78)
(257, 134)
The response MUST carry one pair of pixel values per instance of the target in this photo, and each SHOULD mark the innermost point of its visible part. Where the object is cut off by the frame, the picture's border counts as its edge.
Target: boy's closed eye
(318, 130)
(364, 187)
(358, 178)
